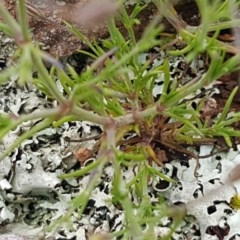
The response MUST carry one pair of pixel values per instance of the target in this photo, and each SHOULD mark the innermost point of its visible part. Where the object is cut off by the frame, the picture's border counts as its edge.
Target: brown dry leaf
(227, 37)
(209, 109)
(161, 154)
(82, 154)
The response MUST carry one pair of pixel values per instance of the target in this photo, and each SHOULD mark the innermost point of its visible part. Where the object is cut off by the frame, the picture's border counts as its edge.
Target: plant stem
(87, 115)
(136, 116)
(11, 22)
(23, 19)
(48, 113)
(37, 128)
(51, 86)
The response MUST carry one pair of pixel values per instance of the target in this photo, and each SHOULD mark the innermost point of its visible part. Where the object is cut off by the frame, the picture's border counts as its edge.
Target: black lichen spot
(211, 209)
(228, 211)
(89, 206)
(162, 184)
(218, 157)
(194, 105)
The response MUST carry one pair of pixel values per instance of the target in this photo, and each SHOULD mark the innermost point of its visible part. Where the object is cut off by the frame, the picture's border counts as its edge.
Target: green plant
(116, 73)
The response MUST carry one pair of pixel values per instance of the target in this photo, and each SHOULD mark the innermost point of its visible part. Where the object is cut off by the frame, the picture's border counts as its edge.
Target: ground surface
(31, 195)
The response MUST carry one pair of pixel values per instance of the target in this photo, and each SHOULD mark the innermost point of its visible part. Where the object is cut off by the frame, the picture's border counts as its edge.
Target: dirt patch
(46, 21)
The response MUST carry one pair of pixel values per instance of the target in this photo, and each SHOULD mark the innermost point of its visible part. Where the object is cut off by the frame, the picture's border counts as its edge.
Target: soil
(56, 38)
